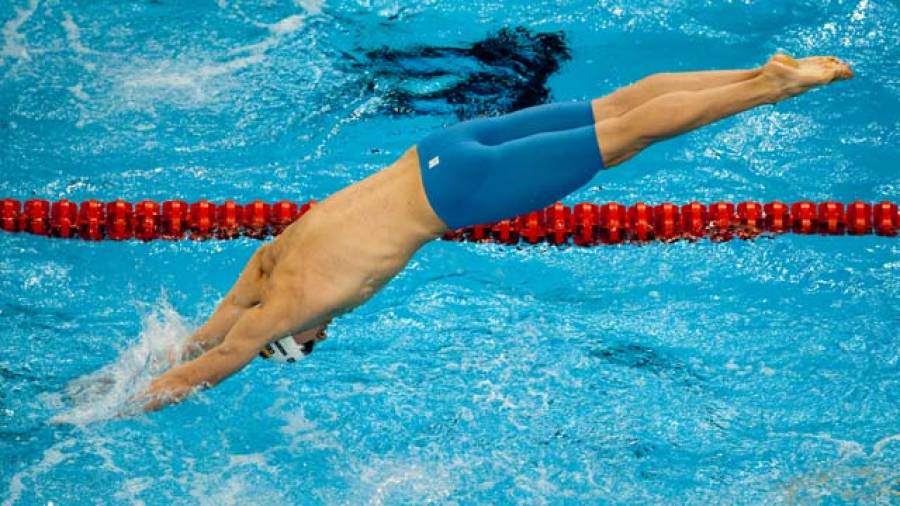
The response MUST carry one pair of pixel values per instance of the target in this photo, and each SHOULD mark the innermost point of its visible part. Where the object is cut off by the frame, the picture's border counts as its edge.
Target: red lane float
(202, 220)
(641, 226)
(64, 218)
(668, 221)
(505, 232)
(531, 227)
(750, 219)
(256, 219)
(886, 219)
(229, 217)
(584, 224)
(284, 213)
(830, 218)
(35, 218)
(586, 220)
(612, 223)
(723, 221)
(91, 220)
(778, 217)
(119, 216)
(10, 209)
(146, 220)
(479, 233)
(558, 220)
(803, 217)
(174, 219)
(859, 218)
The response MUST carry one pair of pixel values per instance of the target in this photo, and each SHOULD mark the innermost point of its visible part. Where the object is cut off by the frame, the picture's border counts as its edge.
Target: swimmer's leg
(553, 117)
(476, 183)
(528, 173)
(625, 99)
(674, 113)
(568, 115)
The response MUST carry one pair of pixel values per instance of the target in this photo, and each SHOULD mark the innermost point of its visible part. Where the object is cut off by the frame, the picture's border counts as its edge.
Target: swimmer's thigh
(533, 172)
(468, 181)
(534, 120)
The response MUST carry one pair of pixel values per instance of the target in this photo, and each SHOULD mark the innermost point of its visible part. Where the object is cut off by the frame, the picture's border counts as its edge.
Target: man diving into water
(352, 243)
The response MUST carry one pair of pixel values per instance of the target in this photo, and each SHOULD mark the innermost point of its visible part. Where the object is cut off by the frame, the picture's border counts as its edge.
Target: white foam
(313, 7)
(881, 443)
(277, 30)
(73, 34)
(113, 390)
(257, 460)
(198, 81)
(79, 93)
(14, 43)
(51, 457)
(841, 478)
(287, 25)
(244, 479)
(394, 482)
(130, 489)
(303, 432)
(859, 13)
(188, 75)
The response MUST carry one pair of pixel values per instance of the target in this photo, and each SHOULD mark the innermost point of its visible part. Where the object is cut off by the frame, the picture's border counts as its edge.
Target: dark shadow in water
(641, 357)
(504, 72)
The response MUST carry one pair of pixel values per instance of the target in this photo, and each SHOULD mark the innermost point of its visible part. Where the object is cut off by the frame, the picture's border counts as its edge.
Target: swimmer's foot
(795, 76)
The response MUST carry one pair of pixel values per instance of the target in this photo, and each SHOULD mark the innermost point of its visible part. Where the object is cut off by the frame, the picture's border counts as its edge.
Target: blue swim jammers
(489, 169)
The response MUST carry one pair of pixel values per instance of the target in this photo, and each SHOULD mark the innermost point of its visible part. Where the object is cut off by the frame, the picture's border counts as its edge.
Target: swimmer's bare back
(343, 250)
(352, 243)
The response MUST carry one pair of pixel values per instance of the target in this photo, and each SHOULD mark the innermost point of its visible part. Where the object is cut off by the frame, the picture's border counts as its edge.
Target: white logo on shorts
(434, 162)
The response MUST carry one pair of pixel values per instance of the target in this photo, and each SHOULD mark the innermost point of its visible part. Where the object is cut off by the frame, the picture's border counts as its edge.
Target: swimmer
(352, 243)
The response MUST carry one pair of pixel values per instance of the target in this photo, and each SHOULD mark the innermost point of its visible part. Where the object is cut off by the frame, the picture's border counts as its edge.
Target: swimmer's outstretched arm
(244, 294)
(254, 329)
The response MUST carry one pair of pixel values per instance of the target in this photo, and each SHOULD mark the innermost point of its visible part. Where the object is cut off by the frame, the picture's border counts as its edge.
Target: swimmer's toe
(785, 59)
(829, 66)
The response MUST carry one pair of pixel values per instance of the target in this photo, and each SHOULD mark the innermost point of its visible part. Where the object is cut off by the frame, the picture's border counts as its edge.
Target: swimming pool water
(762, 372)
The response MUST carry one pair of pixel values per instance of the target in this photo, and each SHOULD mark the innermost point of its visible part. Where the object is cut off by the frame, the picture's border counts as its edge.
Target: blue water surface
(762, 372)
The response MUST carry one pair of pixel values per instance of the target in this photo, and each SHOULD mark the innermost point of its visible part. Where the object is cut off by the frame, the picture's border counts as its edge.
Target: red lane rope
(584, 224)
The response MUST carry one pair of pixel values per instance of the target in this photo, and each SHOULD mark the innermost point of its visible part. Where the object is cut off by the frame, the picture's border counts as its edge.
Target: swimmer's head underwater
(290, 349)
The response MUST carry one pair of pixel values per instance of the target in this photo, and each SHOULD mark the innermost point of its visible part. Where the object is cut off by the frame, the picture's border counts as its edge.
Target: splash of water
(114, 391)
(14, 45)
(191, 82)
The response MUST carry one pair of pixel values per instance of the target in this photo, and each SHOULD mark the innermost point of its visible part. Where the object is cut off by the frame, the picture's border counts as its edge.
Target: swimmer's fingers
(165, 390)
(256, 328)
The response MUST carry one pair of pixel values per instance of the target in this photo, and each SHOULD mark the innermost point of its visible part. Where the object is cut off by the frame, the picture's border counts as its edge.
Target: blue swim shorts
(489, 169)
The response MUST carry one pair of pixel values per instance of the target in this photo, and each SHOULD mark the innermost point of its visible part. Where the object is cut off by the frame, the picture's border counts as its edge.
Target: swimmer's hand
(207, 370)
(167, 389)
(256, 328)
